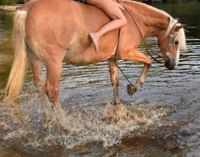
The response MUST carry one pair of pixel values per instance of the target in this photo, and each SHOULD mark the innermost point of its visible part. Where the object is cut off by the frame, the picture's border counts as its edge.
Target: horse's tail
(17, 73)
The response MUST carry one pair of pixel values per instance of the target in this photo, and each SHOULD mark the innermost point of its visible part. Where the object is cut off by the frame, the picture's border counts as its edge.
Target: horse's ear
(178, 26)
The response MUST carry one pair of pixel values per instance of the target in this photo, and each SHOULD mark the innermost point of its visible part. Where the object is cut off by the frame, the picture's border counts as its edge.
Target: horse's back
(64, 15)
(65, 24)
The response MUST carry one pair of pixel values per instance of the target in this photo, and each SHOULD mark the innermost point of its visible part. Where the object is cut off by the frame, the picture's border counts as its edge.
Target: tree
(20, 1)
(7, 2)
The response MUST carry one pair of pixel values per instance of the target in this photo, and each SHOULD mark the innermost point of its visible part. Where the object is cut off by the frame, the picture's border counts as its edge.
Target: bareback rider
(114, 10)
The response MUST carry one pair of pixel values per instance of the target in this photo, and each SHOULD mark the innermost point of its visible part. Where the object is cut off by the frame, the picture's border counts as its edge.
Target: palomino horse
(53, 31)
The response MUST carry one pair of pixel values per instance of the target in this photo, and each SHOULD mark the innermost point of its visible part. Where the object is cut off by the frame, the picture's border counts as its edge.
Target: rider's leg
(113, 10)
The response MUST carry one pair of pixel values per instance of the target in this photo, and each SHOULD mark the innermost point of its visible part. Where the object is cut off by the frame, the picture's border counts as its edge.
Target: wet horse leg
(135, 55)
(39, 84)
(114, 80)
(53, 79)
(119, 113)
(54, 68)
(37, 74)
(139, 82)
(36, 65)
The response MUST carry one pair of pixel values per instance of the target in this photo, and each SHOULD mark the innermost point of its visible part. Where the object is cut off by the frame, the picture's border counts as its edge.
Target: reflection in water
(167, 107)
(5, 46)
(187, 13)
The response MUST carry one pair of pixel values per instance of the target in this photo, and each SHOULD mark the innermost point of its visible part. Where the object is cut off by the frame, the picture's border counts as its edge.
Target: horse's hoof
(131, 89)
(63, 128)
(117, 102)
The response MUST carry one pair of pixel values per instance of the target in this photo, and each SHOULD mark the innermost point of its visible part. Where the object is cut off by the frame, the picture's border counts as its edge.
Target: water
(165, 111)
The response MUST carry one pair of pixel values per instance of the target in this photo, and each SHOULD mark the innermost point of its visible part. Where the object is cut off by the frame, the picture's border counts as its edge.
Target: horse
(50, 32)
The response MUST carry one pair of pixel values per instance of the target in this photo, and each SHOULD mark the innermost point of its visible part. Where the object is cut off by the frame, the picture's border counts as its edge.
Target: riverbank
(9, 7)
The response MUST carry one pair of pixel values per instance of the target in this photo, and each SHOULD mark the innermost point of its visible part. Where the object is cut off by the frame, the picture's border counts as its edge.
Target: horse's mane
(180, 35)
(182, 39)
(146, 6)
(172, 22)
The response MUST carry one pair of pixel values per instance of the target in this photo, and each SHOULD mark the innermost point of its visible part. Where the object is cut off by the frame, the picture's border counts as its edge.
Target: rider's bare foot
(93, 37)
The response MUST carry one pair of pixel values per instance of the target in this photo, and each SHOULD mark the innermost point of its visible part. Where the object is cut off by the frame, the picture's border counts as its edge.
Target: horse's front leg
(135, 55)
(132, 88)
(114, 80)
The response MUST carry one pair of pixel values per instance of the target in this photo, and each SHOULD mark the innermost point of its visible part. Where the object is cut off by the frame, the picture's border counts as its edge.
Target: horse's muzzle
(170, 62)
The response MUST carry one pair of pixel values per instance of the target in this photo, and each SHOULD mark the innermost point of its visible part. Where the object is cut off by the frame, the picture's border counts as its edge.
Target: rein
(127, 79)
(148, 49)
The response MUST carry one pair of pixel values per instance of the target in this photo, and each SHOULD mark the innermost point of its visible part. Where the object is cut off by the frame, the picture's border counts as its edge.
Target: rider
(114, 10)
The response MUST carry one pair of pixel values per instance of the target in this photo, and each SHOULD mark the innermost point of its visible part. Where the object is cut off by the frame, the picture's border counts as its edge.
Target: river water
(166, 108)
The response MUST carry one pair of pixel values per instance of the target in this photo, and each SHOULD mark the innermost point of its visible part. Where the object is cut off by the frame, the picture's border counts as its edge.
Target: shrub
(7, 2)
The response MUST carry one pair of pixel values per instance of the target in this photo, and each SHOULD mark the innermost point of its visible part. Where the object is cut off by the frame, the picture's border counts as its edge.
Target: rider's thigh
(110, 7)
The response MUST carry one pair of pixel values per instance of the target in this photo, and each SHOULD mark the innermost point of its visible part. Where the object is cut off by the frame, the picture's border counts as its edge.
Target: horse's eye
(176, 42)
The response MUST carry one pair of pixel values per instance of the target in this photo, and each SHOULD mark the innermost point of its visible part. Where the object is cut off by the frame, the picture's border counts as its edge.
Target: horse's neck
(149, 19)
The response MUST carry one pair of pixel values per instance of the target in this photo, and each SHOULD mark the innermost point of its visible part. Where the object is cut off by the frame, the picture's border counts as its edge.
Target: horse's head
(171, 42)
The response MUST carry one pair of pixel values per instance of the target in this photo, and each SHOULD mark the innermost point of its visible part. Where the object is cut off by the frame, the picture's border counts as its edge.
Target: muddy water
(166, 110)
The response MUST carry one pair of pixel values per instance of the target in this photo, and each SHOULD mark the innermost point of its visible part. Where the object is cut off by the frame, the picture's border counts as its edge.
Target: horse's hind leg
(37, 74)
(39, 84)
(54, 68)
(36, 65)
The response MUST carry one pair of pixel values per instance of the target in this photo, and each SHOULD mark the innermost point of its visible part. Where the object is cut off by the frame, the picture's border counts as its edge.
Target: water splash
(86, 123)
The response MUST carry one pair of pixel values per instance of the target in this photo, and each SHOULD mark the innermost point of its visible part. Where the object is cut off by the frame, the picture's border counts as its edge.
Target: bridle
(147, 47)
(119, 32)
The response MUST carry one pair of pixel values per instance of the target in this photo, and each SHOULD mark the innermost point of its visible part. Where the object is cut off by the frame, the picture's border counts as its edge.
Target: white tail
(17, 73)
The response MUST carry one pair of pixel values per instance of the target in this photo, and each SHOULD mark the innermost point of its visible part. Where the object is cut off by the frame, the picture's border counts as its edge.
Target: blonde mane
(182, 39)
(180, 36)
(147, 6)
(172, 23)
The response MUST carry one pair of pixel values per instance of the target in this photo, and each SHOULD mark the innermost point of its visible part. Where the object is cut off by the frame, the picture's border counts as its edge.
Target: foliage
(21, 1)
(7, 2)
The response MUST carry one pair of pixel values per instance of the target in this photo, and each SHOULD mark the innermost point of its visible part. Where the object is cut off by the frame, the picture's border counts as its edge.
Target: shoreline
(9, 7)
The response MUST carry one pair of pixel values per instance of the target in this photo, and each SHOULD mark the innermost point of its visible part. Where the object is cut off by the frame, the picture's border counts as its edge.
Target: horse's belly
(89, 56)
(80, 50)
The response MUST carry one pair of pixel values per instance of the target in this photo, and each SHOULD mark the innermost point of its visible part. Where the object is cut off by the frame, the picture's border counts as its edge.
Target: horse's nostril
(170, 63)
(169, 66)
